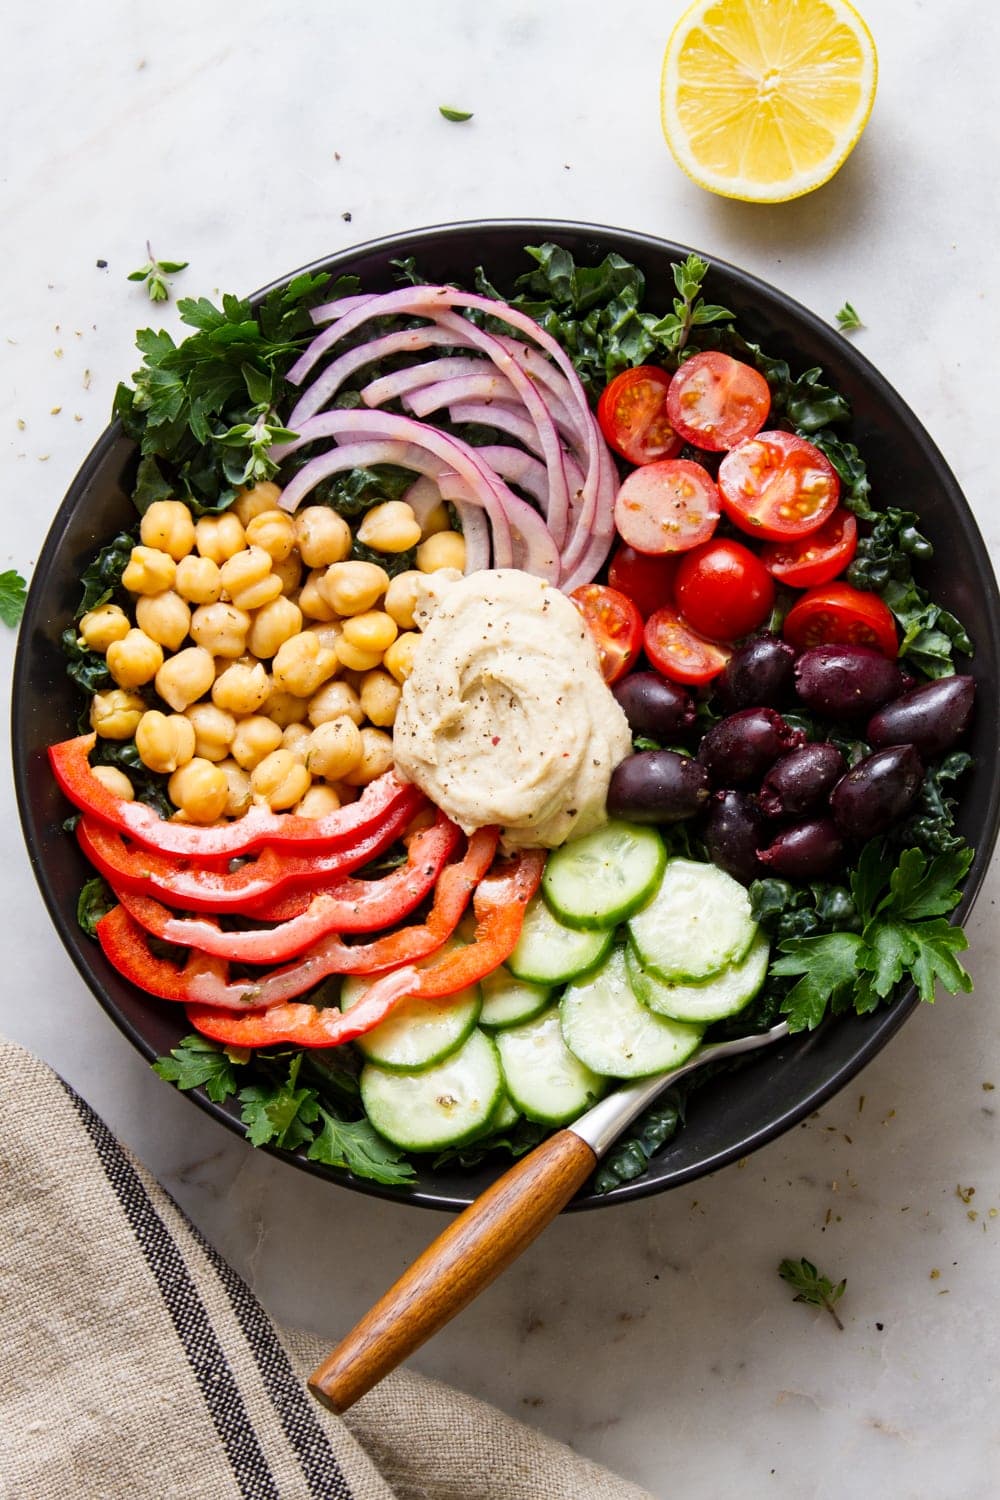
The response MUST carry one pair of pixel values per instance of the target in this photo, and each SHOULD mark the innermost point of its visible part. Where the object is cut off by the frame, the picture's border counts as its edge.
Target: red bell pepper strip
(350, 906)
(207, 887)
(254, 830)
(204, 979)
(499, 904)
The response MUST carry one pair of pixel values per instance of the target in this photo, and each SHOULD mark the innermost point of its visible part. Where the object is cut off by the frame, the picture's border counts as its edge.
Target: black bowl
(730, 1116)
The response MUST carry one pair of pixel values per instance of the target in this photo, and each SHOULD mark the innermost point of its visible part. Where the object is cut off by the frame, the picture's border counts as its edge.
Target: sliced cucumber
(508, 1000)
(604, 1025)
(697, 922)
(444, 1105)
(549, 953)
(418, 1033)
(504, 1116)
(602, 878)
(723, 994)
(544, 1080)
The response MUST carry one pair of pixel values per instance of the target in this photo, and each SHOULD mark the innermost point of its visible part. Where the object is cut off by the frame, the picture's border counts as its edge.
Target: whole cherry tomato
(723, 590)
(647, 581)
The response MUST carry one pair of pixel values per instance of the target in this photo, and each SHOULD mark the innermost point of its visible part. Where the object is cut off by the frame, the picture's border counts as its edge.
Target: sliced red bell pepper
(350, 906)
(254, 830)
(204, 979)
(499, 902)
(209, 887)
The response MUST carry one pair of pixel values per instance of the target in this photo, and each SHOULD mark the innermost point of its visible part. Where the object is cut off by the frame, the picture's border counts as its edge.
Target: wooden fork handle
(474, 1249)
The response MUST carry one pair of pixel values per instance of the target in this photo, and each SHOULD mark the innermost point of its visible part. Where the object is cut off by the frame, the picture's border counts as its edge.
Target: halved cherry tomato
(715, 401)
(647, 581)
(668, 506)
(632, 413)
(837, 614)
(777, 485)
(679, 652)
(723, 590)
(803, 562)
(615, 624)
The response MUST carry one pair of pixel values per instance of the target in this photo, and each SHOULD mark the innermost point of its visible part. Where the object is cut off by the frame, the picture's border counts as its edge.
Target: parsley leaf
(828, 965)
(198, 1063)
(847, 319)
(356, 1145)
(94, 902)
(812, 1287)
(279, 1113)
(154, 274)
(13, 593)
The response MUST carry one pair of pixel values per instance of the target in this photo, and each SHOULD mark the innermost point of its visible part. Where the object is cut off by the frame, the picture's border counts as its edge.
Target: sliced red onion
(515, 423)
(328, 312)
(423, 497)
(400, 382)
(519, 468)
(488, 387)
(326, 386)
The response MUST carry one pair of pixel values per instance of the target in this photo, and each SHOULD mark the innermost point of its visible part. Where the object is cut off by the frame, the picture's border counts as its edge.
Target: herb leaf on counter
(154, 274)
(455, 115)
(848, 319)
(812, 1287)
(13, 593)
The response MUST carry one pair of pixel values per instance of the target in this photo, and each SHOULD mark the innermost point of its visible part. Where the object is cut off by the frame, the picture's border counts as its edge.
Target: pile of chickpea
(280, 658)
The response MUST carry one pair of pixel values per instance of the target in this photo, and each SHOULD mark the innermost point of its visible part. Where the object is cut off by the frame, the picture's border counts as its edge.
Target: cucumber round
(721, 995)
(503, 1117)
(600, 879)
(418, 1033)
(544, 1080)
(604, 1026)
(508, 1000)
(549, 953)
(444, 1105)
(696, 923)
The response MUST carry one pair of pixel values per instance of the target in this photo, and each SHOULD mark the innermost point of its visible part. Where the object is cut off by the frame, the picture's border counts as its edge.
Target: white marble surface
(657, 1337)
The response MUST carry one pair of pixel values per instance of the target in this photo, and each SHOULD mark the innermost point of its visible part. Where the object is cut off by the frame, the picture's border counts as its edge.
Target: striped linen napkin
(135, 1363)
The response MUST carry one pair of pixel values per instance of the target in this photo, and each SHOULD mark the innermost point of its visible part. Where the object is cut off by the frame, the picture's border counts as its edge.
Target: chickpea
(116, 782)
(380, 695)
(273, 624)
(242, 688)
(148, 571)
(115, 714)
(390, 527)
(312, 601)
(219, 537)
(445, 549)
(334, 749)
(186, 677)
(295, 738)
(135, 659)
(168, 525)
(239, 795)
(376, 757)
(302, 665)
(398, 659)
(200, 790)
(255, 737)
(323, 537)
(333, 700)
(100, 627)
(248, 580)
(164, 617)
(289, 570)
(401, 597)
(327, 632)
(372, 631)
(280, 780)
(198, 580)
(264, 495)
(317, 802)
(285, 708)
(221, 628)
(164, 741)
(355, 657)
(274, 532)
(352, 587)
(214, 730)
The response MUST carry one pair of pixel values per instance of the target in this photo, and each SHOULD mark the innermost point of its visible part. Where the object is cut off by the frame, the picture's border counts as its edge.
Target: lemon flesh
(763, 100)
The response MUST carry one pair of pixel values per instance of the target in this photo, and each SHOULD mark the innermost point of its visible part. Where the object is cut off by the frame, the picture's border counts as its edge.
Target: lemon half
(764, 100)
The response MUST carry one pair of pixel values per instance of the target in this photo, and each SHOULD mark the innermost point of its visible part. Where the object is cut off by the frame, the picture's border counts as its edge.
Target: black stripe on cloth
(312, 1448)
(188, 1313)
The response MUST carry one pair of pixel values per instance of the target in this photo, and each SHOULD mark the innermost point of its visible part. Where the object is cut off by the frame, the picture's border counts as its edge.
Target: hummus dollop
(505, 718)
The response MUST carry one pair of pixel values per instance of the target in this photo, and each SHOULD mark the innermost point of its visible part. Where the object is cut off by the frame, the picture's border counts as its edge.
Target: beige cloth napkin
(135, 1363)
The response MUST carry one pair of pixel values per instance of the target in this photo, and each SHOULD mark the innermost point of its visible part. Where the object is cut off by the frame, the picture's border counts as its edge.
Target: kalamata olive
(760, 672)
(845, 682)
(805, 851)
(739, 749)
(657, 786)
(732, 833)
(876, 791)
(801, 781)
(931, 718)
(653, 706)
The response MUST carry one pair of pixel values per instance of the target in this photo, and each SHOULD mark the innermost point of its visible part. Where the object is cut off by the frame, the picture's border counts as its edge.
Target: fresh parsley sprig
(904, 938)
(155, 272)
(672, 331)
(812, 1287)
